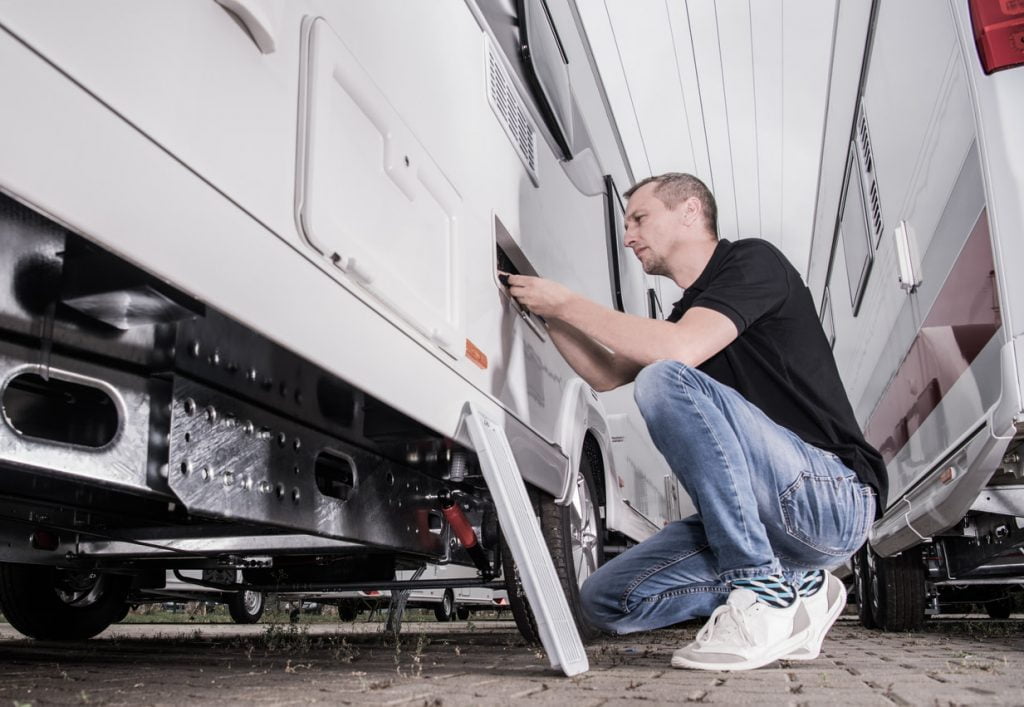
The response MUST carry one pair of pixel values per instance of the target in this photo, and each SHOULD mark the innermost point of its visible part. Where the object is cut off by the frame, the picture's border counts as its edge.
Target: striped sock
(771, 589)
(810, 583)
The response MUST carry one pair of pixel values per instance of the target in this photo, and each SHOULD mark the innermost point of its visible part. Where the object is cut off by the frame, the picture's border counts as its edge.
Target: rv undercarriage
(142, 431)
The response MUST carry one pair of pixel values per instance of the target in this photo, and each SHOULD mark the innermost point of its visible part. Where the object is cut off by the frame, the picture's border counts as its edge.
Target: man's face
(652, 229)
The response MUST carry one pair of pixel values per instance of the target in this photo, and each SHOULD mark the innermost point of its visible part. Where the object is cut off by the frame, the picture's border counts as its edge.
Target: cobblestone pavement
(951, 662)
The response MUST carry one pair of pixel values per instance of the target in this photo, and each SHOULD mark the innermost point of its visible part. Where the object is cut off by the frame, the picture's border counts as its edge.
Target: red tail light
(999, 33)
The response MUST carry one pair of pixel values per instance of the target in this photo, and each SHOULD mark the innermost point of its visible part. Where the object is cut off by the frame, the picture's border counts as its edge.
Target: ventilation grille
(511, 113)
(867, 173)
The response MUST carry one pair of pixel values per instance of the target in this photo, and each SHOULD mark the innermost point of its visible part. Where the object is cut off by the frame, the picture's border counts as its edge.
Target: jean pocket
(827, 514)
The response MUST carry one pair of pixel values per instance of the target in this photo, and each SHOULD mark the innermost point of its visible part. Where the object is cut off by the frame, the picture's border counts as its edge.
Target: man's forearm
(635, 339)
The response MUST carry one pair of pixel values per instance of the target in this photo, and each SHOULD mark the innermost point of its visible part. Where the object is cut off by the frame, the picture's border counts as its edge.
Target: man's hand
(544, 298)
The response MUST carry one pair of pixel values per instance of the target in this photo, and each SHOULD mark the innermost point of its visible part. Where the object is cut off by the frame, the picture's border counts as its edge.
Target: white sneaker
(744, 634)
(823, 608)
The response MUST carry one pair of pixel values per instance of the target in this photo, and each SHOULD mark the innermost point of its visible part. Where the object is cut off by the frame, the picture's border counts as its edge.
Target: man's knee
(653, 383)
(599, 606)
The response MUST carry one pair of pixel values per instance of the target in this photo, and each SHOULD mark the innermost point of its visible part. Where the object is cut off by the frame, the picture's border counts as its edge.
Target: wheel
(574, 535)
(462, 613)
(999, 607)
(347, 612)
(246, 607)
(862, 587)
(445, 611)
(61, 605)
(897, 590)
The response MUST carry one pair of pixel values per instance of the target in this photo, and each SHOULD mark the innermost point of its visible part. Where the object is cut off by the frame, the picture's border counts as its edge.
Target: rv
(251, 316)
(917, 238)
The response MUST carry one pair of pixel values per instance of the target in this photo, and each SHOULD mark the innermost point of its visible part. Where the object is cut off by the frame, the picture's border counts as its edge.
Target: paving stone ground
(964, 661)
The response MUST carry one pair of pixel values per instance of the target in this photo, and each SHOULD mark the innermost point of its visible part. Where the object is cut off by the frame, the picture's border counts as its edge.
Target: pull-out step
(522, 532)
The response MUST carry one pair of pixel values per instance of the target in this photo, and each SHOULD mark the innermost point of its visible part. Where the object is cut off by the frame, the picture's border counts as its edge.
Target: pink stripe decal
(964, 317)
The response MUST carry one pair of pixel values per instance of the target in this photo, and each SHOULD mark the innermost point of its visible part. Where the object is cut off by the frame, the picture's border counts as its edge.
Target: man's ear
(691, 210)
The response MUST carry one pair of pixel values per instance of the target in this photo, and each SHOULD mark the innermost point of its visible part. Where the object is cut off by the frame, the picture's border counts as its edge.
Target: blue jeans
(767, 503)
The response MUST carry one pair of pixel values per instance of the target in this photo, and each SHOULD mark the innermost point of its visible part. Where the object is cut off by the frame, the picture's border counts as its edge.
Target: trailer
(916, 245)
(250, 317)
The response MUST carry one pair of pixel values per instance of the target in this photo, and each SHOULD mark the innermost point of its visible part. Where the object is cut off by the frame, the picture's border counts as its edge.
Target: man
(741, 394)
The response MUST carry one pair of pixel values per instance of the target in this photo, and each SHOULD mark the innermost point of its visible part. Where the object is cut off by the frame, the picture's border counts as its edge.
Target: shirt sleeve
(750, 284)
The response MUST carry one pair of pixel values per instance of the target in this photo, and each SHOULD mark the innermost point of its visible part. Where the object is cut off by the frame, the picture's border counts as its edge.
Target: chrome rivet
(264, 487)
(211, 415)
(297, 444)
(194, 349)
(250, 375)
(189, 406)
(296, 495)
(229, 478)
(246, 483)
(279, 490)
(215, 358)
(282, 439)
(207, 473)
(248, 427)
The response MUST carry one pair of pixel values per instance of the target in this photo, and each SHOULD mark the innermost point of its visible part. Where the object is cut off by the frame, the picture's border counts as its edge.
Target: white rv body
(916, 277)
(333, 177)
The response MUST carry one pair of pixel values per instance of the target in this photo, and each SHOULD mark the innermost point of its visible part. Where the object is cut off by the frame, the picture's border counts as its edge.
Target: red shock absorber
(464, 532)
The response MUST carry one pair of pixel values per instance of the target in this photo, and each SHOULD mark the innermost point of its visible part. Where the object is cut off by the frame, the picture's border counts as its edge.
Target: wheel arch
(583, 429)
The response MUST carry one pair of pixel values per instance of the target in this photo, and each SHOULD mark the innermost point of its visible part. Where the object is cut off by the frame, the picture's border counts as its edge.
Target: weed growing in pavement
(417, 657)
(965, 664)
(291, 637)
(289, 668)
(341, 649)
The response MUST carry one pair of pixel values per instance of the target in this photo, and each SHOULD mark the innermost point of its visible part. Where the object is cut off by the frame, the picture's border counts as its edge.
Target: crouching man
(741, 395)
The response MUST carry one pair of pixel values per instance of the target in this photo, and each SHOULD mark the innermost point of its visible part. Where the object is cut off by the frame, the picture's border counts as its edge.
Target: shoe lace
(726, 621)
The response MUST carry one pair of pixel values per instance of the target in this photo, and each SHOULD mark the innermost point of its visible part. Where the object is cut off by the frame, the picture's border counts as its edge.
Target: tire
(347, 612)
(897, 591)
(445, 611)
(574, 535)
(862, 587)
(246, 607)
(50, 604)
(462, 613)
(999, 607)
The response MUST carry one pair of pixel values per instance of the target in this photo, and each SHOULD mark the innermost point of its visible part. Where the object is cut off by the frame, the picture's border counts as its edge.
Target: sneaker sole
(812, 647)
(781, 651)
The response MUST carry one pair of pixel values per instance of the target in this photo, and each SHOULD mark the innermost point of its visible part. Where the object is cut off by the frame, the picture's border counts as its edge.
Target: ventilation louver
(511, 113)
(867, 173)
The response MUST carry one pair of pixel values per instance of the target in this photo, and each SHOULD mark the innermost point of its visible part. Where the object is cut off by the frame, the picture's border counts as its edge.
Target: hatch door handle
(254, 17)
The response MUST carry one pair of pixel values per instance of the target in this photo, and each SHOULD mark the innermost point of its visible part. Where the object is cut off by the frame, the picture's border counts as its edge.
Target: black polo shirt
(781, 361)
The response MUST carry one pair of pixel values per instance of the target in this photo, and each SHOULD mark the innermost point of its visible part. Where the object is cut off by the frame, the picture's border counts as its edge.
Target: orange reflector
(948, 475)
(476, 355)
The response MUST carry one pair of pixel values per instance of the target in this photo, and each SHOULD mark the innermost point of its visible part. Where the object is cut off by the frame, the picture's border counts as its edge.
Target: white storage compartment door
(371, 199)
